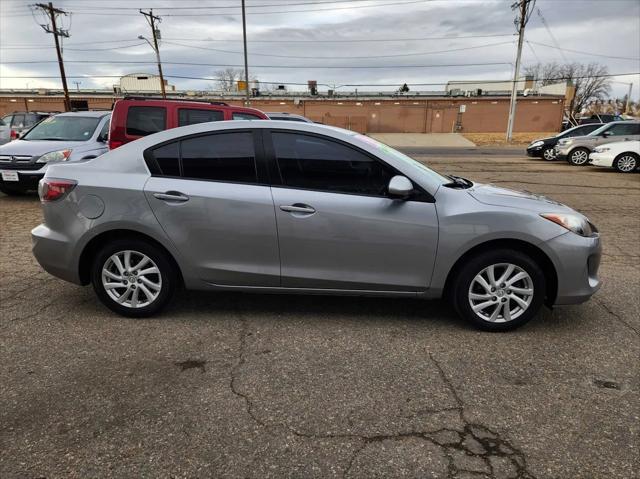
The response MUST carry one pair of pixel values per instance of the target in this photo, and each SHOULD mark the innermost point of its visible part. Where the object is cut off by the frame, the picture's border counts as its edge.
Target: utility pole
(152, 19)
(246, 63)
(57, 32)
(521, 22)
(626, 106)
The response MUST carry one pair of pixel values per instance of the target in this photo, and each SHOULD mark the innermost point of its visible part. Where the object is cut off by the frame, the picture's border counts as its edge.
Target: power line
(555, 42)
(395, 55)
(585, 53)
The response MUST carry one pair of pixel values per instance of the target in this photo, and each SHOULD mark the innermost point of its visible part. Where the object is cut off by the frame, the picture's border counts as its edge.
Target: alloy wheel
(501, 292)
(548, 154)
(579, 157)
(131, 279)
(627, 163)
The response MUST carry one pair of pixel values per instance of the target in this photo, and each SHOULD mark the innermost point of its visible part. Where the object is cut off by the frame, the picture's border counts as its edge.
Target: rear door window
(220, 157)
(145, 120)
(191, 116)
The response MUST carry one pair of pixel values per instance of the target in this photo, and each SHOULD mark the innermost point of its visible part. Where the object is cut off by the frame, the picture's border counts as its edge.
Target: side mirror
(104, 138)
(607, 133)
(400, 187)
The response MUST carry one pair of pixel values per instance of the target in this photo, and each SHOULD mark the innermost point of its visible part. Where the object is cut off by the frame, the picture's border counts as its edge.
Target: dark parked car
(544, 148)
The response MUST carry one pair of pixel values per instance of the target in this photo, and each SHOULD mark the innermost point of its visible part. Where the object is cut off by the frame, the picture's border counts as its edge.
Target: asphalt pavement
(232, 385)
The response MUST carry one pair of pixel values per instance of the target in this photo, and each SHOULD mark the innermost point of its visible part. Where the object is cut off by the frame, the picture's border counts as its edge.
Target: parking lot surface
(231, 385)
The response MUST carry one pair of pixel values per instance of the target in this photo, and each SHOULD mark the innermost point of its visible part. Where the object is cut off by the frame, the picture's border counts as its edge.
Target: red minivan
(135, 117)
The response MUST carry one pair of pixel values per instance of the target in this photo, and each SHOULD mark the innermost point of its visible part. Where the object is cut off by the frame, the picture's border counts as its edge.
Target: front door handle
(172, 196)
(298, 208)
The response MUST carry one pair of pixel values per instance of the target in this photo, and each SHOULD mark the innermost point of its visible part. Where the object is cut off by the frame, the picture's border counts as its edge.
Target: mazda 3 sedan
(268, 206)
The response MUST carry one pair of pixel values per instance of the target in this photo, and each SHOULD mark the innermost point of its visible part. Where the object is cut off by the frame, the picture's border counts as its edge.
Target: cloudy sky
(369, 43)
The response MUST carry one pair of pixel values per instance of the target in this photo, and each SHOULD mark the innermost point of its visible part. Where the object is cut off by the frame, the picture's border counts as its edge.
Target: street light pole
(246, 62)
(151, 18)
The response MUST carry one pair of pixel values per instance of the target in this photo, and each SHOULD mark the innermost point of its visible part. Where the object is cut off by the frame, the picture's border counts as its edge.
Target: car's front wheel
(626, 163)
(499, 290)
(549, 154)
(133, 277)
(579, 157)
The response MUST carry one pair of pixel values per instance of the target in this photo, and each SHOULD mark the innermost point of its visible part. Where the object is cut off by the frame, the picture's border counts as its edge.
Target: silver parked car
(60, 138)
(267, 206)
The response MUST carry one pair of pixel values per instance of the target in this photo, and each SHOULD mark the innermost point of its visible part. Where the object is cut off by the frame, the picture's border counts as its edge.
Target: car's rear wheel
(499, 290)
(626, 163)
(133, 278)
(579, 157)
(549, 154)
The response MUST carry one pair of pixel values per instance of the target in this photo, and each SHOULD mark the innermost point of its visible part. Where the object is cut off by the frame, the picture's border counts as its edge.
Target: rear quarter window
(145, 120)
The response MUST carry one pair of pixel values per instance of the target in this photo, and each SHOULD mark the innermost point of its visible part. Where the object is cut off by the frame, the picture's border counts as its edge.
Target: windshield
(404, 158)
(63, 128)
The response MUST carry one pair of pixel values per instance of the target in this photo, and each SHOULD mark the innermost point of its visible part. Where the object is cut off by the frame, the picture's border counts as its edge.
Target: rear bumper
(54, 252)
(576, 261)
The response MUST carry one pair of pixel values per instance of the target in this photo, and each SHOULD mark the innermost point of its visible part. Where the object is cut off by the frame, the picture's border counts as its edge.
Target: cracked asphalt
(241, 386)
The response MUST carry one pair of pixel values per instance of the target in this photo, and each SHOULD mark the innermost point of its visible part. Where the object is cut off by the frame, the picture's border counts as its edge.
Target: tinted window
(167, 158)
(625, 129)
(318, 164)
(104, 133)
(145, 120)
(7, 119)
(191, 117)
(221, 157)
(18, 121)
(245, 116)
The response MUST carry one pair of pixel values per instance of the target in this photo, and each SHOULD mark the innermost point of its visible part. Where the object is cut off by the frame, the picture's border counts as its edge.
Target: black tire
(626, 162)
(465, 276)
(12, 191)
(579, 157)
(167, 277)
(548, 154)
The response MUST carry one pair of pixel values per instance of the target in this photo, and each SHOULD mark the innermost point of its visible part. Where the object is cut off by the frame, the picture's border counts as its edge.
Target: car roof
(96, 114)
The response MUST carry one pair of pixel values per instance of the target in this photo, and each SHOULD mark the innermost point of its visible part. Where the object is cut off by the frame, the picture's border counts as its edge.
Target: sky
(370, 43)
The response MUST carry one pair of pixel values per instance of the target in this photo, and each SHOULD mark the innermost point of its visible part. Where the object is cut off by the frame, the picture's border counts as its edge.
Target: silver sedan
(268, 206)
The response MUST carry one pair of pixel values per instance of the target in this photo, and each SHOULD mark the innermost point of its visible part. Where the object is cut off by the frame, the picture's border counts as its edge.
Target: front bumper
(562, 152)
(601, 159)
(27, 179)
(535, 152)
(576, 260)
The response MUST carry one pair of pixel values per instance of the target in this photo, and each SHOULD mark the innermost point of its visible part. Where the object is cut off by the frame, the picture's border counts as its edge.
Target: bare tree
(588, 79)
(228, 78)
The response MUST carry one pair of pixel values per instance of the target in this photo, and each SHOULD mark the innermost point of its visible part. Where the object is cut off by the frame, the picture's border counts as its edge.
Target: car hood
(497, 196)
(37, 147)
(546, 140)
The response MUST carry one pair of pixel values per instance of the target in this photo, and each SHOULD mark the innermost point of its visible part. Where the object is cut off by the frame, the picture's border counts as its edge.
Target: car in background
(624, 156)
(284, 207)
(545, 147)
(283, 116)
(576, 150)
(20, 121)
(5, 133)
(59, 138)
(136, 117)
(604, 118)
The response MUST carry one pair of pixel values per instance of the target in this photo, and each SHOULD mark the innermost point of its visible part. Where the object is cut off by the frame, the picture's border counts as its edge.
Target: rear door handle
(298, 208)
(172, 196)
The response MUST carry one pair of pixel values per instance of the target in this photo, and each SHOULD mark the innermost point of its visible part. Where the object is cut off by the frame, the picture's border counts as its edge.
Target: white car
(624, 156)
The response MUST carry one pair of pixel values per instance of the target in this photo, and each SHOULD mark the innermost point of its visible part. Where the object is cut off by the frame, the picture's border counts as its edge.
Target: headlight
(601, 149)
(575, 223)
(60, 155)
(535, 144)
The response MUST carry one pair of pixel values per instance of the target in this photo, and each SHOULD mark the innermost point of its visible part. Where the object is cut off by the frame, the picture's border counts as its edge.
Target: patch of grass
(495, 139)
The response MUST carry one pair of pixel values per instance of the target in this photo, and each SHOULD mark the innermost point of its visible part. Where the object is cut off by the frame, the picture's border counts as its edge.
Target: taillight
(53, 189)
(113, 144)
(14, 135)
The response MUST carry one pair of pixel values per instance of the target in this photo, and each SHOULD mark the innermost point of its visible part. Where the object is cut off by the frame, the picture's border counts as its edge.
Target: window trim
(259, 161)
(421, 195)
